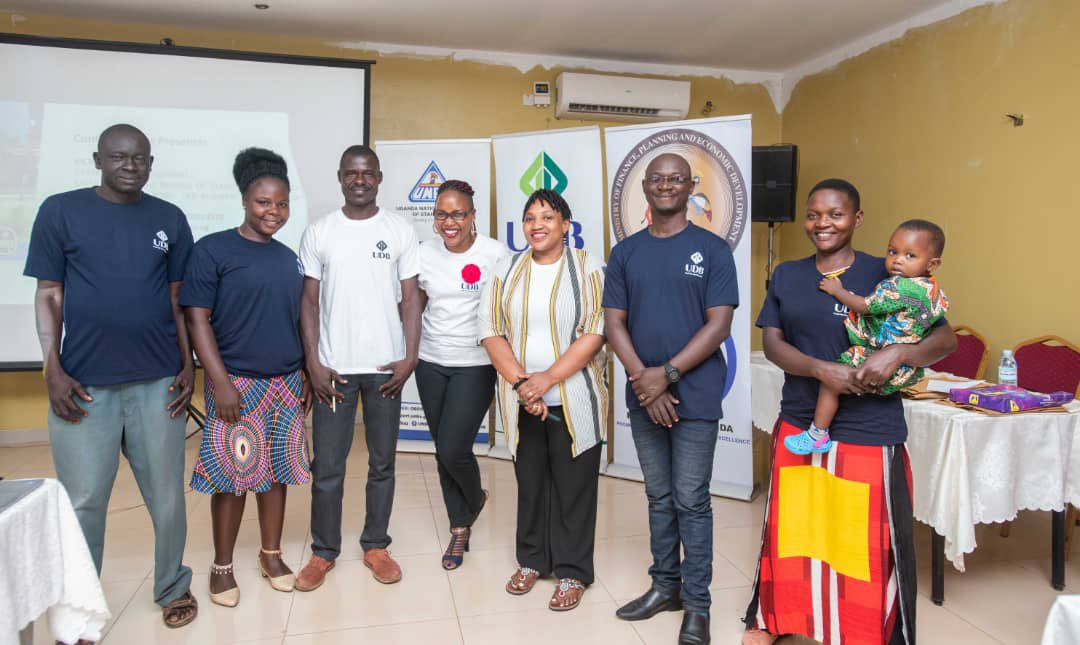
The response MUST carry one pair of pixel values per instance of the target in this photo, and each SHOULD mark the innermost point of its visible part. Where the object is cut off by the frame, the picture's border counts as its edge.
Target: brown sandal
(522, 582)
(567, 595)
(171, 612)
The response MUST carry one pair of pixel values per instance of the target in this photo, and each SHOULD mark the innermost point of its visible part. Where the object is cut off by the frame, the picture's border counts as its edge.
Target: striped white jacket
(575, 311)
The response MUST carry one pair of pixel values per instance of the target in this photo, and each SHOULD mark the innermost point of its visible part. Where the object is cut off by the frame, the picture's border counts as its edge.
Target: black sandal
(176, 608)
(455, 551)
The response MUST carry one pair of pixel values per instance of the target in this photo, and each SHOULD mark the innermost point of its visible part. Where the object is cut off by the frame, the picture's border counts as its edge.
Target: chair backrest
(1048, 364)
(970, 356)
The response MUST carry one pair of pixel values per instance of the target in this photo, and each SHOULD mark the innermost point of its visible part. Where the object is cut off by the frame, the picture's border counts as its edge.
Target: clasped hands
(650, 386)
(531, 389)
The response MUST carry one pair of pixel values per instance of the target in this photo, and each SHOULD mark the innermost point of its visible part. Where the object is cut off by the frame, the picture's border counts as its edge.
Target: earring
(434, 229)
(474, 228)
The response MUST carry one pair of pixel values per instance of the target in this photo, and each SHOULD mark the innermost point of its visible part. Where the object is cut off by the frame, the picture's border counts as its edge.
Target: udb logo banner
(566, 161)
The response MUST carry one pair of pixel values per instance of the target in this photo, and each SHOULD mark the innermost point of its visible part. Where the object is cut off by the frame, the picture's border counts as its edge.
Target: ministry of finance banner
(412, 173)
(719, 152)
(567, 161)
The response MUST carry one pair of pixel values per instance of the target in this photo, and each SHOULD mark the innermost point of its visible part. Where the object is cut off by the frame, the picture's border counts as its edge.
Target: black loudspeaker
(772, 193)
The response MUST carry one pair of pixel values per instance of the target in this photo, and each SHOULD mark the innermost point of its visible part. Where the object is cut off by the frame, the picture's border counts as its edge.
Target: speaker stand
(769, 264)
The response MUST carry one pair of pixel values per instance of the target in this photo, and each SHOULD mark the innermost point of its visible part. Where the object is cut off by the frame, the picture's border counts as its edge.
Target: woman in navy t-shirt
(837, 542)
(241, 295)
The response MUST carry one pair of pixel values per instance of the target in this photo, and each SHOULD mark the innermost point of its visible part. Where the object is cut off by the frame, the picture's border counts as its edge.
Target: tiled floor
(1002, 598)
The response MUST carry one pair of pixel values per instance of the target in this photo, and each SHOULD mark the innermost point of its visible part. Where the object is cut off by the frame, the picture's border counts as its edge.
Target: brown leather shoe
(382, 566)
(313, 574)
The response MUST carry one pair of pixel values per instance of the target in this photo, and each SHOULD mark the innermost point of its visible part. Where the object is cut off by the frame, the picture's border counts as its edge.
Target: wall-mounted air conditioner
(619, 98)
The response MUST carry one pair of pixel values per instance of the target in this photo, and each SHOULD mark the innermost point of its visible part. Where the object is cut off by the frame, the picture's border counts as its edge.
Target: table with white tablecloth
(1063, 622)
(46, 565)
(971, 468)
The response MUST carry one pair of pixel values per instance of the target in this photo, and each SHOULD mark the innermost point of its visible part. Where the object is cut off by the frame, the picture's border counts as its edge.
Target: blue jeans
(129, 418)
(677, 465)
(332, 435)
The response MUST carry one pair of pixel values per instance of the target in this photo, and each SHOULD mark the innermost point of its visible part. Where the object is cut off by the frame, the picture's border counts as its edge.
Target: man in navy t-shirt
(109, 261)
(669, 297)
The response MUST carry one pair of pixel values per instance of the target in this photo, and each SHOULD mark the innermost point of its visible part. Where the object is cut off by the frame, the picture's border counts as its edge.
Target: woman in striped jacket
(542, 325)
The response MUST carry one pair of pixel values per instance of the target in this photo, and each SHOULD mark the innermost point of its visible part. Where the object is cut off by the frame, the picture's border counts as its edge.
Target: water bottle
(1007, 368)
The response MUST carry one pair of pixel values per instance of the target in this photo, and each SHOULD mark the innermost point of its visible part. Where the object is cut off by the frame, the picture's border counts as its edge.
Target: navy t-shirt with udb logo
(116, 262)
(665, 285)
(253, 291)
(813, 322)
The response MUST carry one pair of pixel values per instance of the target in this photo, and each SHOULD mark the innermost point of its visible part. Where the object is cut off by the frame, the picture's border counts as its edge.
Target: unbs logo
(543, 172)
(427, 186)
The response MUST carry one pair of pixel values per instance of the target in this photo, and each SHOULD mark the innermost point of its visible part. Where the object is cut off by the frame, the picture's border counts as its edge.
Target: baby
(902, 309)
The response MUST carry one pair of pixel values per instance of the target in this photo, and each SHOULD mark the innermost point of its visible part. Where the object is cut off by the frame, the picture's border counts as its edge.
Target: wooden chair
(970, 356)
(1049, 364)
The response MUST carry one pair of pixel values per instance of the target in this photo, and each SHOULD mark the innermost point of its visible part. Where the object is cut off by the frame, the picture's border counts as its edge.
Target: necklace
(835, 272)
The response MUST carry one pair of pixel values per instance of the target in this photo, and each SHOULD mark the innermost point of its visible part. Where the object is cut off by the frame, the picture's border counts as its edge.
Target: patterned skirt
(837, 555)
(265, 447)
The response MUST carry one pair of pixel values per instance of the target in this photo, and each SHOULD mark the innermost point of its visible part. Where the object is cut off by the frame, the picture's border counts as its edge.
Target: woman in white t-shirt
(454, 375)
(543, 326)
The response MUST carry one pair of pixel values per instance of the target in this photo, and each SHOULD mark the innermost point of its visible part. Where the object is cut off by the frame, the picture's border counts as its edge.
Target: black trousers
(455, 401)
(556, 514)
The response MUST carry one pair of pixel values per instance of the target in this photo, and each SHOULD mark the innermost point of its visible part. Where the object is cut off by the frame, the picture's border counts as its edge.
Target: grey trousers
(131, 419)
(332, 435)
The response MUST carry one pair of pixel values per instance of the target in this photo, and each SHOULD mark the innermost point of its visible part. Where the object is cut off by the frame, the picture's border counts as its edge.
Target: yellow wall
(412, 98)
(919, 126)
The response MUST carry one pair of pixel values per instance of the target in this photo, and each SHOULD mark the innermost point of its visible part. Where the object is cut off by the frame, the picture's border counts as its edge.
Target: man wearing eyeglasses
(669, 298)
(360, 326)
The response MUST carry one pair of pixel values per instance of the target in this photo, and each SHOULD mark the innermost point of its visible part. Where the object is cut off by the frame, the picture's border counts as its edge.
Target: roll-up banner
(412, 172)
(567, 161)
(719, 152)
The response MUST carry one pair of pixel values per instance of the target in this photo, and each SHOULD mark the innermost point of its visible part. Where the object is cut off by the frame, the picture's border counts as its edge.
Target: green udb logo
(543, 172)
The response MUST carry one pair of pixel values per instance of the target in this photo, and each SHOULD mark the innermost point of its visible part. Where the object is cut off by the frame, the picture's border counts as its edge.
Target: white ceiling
(747, 40)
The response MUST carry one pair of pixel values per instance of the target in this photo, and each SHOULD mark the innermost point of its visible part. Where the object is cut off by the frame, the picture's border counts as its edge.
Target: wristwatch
(672, 372)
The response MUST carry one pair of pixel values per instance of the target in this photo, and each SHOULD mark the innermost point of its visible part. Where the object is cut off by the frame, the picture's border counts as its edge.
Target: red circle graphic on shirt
(470, 273)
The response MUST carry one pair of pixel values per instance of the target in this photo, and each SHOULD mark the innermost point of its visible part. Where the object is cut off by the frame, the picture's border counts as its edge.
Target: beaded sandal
(522, 581)
(567, 595)
(229, 597)
(455, 551)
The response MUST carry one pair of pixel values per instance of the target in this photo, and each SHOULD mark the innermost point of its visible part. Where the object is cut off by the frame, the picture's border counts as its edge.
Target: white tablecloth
(969, 468)
(1063, 622)
(45, 565)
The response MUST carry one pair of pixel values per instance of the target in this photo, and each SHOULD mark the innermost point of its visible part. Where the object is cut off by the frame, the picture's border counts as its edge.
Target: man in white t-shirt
(360, 325)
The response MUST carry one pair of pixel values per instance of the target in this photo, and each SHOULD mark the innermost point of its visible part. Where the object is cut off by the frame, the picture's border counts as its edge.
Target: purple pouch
(1006, 398)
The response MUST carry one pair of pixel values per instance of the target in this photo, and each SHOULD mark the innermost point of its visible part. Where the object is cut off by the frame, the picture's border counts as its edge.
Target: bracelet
(520, 383)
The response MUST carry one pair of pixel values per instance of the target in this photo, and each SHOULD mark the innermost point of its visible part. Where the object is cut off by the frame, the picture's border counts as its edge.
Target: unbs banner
(412, 173)
(719, 152)
(567, 161)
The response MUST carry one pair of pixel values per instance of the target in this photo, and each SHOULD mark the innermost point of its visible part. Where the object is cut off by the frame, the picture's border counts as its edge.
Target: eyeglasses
(674, 180)
(457, 216)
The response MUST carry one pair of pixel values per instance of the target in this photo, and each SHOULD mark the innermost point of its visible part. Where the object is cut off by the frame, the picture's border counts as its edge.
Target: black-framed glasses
(457, 216)
(674, 180)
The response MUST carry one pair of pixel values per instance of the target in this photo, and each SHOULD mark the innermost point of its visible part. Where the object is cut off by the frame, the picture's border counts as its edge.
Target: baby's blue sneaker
(804, 444)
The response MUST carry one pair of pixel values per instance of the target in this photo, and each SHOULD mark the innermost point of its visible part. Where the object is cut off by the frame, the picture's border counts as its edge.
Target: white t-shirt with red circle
(450, 335)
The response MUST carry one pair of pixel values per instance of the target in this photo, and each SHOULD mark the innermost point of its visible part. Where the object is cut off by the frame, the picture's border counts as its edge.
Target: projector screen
(199, 107)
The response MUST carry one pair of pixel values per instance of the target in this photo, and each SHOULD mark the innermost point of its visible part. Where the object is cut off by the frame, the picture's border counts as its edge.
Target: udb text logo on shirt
(161, 242)
(695, 269)
(381, 254)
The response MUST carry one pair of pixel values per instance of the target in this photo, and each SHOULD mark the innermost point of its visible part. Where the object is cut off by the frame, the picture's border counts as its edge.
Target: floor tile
(351, 598)
(441, 632)
(261, 614)
(588, 624)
